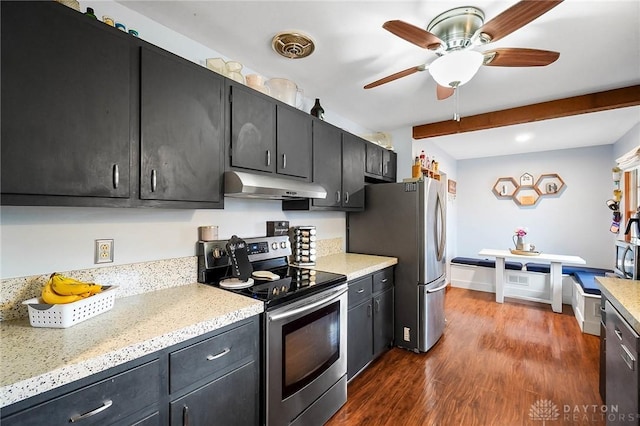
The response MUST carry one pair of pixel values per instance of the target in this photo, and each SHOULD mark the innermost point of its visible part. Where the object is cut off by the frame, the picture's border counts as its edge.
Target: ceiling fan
(453, 36)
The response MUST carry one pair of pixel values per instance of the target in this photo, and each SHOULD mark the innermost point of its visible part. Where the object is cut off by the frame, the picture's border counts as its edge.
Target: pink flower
(521, 232)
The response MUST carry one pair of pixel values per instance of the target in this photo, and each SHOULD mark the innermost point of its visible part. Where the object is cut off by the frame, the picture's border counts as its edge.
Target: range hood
(248, 185)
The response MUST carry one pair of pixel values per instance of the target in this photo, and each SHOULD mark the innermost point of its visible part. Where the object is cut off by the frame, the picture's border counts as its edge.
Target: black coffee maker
(222, 260)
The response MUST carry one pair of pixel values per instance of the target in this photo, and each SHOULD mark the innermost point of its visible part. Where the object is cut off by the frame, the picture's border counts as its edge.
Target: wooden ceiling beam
(592, 102)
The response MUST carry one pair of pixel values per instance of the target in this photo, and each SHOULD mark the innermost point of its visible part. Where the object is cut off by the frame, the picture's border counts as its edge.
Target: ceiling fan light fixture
(456, 68)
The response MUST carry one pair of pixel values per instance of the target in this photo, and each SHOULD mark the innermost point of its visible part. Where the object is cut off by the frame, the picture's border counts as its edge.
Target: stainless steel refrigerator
(408, 221)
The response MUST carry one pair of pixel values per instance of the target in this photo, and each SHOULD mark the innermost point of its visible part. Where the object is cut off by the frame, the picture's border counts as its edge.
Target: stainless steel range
(304, 360)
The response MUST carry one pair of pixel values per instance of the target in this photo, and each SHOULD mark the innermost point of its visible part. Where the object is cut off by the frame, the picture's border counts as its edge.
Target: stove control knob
(274, 246)
(283, 244)
(275, 291)
(217, 253)
(283, 289)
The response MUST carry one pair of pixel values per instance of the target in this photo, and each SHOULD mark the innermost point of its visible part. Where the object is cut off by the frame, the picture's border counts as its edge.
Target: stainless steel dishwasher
(622, 344)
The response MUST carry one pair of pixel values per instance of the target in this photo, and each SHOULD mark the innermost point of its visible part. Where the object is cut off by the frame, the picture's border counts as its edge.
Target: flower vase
(519, 242)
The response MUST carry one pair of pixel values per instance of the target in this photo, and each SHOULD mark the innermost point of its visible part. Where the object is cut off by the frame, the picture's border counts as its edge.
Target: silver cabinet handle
(268, 157)
(369, 310)
(360, 291)
(346, 197)
(337, 196)
(618, 333)
(154, 180)
(108, 403)
(220, 355)
(628, 358)
(284, 161)
(185, 415)
(377, 305)
(116, 176)
(384, 280)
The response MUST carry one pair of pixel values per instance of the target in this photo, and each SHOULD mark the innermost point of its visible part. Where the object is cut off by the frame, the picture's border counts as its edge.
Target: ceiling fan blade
(395, 76)
(444, 92)
(517, 16)
(519, 57)
(413, 34)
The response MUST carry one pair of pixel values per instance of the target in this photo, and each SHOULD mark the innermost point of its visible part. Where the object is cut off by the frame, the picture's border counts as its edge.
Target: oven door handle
(332, 296)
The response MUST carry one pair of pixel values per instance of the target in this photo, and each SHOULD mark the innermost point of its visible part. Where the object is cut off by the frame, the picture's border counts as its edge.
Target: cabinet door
(327, 163)
(389, 159)
(229, 400)
(65, 103)
(359, 338)
(182, 130)
(374, 159)
(253, 130)
(352, 171)
(294, 133)
(382, 321)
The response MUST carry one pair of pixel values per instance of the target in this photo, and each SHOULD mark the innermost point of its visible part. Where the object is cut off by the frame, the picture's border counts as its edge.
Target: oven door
(306, 354)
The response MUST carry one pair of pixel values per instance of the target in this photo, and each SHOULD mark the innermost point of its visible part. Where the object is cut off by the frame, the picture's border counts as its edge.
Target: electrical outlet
(407, 337)
(104, 251)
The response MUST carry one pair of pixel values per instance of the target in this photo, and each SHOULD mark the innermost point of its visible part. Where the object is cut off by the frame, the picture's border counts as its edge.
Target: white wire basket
(68, 314)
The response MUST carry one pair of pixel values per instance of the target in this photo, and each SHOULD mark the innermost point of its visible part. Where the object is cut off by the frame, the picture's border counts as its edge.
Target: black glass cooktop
(294, 283)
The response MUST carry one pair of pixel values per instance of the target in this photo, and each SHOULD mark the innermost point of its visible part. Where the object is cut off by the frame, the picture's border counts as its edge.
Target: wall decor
(526, 193)
(451, 186)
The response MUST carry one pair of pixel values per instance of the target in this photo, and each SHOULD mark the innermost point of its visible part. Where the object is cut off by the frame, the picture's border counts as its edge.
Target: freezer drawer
(432, 319)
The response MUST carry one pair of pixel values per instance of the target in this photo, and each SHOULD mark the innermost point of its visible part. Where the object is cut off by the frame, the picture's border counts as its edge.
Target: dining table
(555, 260)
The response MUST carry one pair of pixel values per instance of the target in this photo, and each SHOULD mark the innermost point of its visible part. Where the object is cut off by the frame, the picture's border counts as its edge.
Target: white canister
(208, 233)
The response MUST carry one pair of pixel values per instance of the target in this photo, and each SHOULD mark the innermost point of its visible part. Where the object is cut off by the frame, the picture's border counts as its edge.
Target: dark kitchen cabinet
(370, 319)
(294, 142)
(225, 401)
(92, 116)
(338, 165)
(66, 90)
(113, 400)
(182, 130)
(380, 163)
(389, 165)
(267, 136)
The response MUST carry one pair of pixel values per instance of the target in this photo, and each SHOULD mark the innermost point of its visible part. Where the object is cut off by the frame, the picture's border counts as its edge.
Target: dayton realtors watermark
(547, 411)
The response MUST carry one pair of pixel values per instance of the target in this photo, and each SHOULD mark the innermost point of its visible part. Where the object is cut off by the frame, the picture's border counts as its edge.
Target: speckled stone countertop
(354, 265)
(35, 360)
(624, 295)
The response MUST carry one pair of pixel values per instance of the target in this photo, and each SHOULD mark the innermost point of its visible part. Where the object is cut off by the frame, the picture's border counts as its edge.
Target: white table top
(544, 257)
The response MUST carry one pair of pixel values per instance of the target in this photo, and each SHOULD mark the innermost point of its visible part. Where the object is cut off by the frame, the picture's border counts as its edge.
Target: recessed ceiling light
(523, 137)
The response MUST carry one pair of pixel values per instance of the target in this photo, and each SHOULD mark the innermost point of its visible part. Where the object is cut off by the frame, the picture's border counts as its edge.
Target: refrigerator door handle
(435, 290)
(443, 231)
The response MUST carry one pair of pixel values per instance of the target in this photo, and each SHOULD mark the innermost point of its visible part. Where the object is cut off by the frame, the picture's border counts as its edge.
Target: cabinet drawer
(359, 290)
(383, 280)
(214, 356)
(105, 402)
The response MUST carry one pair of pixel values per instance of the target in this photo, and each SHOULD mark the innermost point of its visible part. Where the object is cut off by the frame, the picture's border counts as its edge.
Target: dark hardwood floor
(516, 363)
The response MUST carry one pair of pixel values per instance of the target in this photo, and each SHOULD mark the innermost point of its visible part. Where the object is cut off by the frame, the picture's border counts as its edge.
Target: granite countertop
(354, 265)
(624, 295)
(35, 360)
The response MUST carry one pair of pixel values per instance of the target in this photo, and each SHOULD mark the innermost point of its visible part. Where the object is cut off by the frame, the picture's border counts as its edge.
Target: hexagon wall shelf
(548, 184)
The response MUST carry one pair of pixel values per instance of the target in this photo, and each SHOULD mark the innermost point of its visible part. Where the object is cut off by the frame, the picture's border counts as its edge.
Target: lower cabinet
(213, 379)
(224, 401)
(370, 319)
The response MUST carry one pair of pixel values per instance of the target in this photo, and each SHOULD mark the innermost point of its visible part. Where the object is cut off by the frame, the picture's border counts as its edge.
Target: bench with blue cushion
(584, 275)
(516, 266)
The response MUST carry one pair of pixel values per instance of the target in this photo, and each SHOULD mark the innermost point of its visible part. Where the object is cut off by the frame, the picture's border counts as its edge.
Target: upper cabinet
(182, 130)
(92, 116)
(267, 136)
(380, 163)
(338, 165)
(66, 90)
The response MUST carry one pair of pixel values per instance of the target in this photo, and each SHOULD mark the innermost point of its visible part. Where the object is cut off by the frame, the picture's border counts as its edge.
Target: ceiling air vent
(293, 45)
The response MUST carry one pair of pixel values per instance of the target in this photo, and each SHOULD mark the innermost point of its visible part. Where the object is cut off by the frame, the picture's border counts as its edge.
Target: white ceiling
(598, 41)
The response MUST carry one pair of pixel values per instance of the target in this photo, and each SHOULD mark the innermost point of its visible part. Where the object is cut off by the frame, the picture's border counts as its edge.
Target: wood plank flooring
(516, 363)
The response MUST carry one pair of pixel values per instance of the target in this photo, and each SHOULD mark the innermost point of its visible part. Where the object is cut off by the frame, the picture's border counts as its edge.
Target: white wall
(627, 142)
(575, 222)
(40, 240)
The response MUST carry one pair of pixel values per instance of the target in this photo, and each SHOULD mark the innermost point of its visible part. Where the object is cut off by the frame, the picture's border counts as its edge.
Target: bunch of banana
(60, 289)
